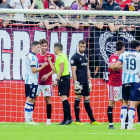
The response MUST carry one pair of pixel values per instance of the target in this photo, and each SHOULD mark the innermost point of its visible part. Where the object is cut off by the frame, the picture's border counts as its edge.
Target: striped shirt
(131, 66)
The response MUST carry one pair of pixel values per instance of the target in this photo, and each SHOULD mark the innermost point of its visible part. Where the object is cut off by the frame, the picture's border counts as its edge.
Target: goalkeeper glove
(89, 85)
(77, 87)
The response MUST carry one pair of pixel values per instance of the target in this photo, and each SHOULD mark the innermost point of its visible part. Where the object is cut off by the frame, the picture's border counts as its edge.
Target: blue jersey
(131, 66)
(31, 61)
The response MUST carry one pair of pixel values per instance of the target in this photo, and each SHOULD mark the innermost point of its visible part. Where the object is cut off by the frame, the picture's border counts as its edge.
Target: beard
(109, 1)
(81, 51)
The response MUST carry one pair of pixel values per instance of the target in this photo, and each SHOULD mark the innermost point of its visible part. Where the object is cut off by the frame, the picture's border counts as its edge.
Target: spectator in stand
(6, 4)
(79, 5)
(21, 4)
(2, 1)
(95, 2)
(67, 20)
(39, 4)
(134, 6)
(49, 24)
(114, 24)
(46, 4)
(58, 3)
(91, 5)
(109, 5)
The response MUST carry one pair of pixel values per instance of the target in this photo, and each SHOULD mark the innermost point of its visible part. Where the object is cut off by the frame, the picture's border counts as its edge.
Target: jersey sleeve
(113, 59)
(32, 61)
(73, 61)
(121, 58)
(60, 59)
(12, 3)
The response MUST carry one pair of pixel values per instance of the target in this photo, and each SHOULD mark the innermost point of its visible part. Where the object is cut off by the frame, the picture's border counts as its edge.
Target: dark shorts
(30, 90)
(85, 90)
(130, 92)
(64, 85)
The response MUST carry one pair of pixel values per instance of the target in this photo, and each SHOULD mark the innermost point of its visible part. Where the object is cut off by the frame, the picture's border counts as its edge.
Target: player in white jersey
(31, 81)
(130, 87)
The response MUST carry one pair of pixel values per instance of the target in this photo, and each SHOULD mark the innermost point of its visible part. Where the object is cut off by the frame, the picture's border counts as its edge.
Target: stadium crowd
(108, 5)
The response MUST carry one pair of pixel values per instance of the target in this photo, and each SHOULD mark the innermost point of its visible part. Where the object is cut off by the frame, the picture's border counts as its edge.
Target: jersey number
(131, 63)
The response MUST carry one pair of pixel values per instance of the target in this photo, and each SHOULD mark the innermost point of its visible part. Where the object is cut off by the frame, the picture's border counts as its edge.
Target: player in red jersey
(45, 77)
(115, 82)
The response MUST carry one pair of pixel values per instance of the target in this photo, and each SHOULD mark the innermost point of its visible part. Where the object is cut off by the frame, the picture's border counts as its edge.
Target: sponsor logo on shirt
(46, 89)
(84, 64)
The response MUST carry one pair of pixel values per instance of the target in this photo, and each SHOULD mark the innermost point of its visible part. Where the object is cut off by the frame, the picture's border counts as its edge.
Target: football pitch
(19, 131)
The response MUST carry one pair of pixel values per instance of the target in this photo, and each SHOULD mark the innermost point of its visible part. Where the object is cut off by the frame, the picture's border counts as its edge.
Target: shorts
(30, 90)
(47, 90)
(130, 92)
(64, 85)
(85, 90)
(114, 93)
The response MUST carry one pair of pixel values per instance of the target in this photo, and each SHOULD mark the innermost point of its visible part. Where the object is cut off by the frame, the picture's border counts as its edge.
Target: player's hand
(77, 87)
(89, 85)
(54, 83)
(44, 77)
(49, 57)
(45, 64)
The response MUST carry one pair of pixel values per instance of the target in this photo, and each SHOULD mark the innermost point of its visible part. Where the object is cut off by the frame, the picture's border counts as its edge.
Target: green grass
(19, 131)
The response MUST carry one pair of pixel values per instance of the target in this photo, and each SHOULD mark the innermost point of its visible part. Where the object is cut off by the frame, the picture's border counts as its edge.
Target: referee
(63, 80)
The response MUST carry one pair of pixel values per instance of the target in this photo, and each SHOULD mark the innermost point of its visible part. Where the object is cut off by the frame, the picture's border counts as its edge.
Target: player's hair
(34, 43)
(119, 45)
(82, 42)
(42, 41)
(59, 46)
(135, 44)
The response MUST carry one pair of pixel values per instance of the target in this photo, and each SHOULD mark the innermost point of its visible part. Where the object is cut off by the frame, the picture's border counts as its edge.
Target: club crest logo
(106, 46)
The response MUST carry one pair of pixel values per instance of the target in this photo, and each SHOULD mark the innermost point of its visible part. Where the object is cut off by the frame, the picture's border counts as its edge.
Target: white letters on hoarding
(12, 63)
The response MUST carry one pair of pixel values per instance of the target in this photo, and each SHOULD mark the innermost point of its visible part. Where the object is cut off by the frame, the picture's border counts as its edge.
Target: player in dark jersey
(115, 82)
(82, 83)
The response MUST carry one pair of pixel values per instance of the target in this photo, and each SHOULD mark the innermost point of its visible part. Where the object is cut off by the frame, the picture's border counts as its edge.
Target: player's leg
(48, 109)
(30, 91)
(66, 106)
(85, 93)
(63, 91)
(138, 112)
(134, 96)
(125, 97)
(77, 109)
(110, 114)
(47, 93)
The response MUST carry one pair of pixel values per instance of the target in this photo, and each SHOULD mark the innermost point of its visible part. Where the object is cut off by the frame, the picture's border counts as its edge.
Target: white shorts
(114, 93)
(47, 90)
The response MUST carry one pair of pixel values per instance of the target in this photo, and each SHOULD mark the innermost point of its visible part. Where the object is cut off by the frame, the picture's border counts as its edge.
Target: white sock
(28, 109)
(131, 115)
(123, 115)
(31, 113)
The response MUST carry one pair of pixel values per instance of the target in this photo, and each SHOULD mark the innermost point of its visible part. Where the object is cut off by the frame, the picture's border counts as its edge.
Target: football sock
(126, 120)
(131, 115)
(65, 114)
(67, 108)
(138, 111)
(49, 110)
(88, 110)
(110, 115)
(123, 114)
(77, 109)
(28, 111)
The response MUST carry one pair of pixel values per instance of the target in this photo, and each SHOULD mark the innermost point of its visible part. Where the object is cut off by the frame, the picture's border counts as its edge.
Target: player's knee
(30, 100)
(86, 97)
(63, 98)
(48, 100)
(112, 103)
(79, 96)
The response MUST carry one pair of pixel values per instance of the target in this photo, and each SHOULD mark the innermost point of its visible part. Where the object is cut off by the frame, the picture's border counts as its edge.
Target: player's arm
(52, 64)
(45, 77)
(74, 68)
(116, 66)
(113, 28)
(89, 81)
(35, 70)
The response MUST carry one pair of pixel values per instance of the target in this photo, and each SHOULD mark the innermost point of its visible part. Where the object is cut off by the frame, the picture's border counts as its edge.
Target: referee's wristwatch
(57, 79)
